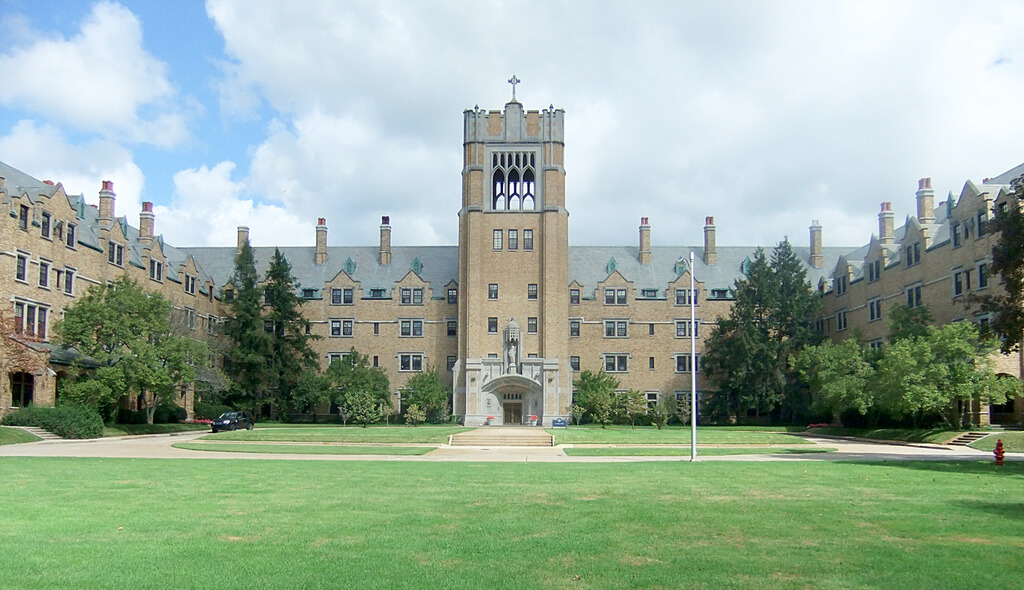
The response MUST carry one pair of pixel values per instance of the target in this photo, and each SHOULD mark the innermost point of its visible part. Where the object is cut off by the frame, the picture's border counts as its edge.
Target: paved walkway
(160, 447)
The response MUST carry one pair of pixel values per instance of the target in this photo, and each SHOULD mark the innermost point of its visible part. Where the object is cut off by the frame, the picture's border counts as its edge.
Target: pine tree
(290, 353)
(250, 344)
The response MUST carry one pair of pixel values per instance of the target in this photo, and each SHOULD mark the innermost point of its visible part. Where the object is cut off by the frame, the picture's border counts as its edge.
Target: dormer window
(156, 270)
(190, 284)
(44, 225)
(874, 270)
(115, 253)
(69, 236)
(840, 285)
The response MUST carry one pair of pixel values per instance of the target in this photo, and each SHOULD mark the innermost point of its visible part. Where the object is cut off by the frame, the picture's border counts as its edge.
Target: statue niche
(512, 346)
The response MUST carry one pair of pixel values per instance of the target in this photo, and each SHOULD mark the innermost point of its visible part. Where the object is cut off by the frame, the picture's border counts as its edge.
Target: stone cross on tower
(513, 81)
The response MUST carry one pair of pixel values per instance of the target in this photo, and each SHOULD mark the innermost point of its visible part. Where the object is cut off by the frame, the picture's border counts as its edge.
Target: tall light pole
(693, 364)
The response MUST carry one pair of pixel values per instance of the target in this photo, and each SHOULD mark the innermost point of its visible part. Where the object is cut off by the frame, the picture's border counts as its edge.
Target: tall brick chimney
(321, 241)
(925, 201)
(885, 224)
(147, 222)
(817, 258)
(384, 257)
(645, 241)
(243, 238)
(710, 250)
(107, 196)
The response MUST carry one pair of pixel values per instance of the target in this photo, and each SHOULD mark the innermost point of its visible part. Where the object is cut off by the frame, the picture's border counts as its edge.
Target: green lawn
(685, 451)
(936, 435)
(302, 449)
(112, 523)
(372, 434)
(13, 436)
(670, 435)
(1013, 442)
(133, 429)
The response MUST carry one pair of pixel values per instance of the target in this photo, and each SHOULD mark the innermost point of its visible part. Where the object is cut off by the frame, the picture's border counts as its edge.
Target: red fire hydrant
(999, 452)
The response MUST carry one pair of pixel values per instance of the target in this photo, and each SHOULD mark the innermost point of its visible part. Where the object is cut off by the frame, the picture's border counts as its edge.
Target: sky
(272, 114)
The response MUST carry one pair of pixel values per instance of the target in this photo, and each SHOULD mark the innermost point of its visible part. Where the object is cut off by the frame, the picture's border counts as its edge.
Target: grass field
(616, 434)
(13, 436)
(135, 429)
(302, 449)
(937, 435)
(112, 523)
(685, 451)
(372, 434)
(1013, 442)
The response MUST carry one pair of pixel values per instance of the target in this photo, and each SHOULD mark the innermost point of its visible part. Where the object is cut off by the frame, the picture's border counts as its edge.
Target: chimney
(146, 223)
(710, 251)
(925, 201)
(107, 201)
(321, 241)
(243, 238)
(885, 224)
(817, 258)
(385, 240)
(645, 241)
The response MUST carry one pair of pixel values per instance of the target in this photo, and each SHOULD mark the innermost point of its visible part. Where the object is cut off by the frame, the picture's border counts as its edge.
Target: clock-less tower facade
(513, 357)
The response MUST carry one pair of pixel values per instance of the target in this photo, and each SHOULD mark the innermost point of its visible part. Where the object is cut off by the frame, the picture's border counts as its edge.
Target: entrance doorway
(22, 389)
(513, 413)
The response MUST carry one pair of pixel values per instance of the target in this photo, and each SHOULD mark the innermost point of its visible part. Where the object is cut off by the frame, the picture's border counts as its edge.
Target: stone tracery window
(513, 181)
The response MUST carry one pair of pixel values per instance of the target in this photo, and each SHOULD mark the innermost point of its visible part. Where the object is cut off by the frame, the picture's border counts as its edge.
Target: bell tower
(513, 267)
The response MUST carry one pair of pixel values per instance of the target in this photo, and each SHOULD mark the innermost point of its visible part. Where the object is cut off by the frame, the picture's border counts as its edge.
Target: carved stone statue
(512, 342)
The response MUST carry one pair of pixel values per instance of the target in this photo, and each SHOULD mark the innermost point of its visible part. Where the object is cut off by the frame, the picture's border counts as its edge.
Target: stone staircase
(967, 438)
(43, 434)
(503, 436)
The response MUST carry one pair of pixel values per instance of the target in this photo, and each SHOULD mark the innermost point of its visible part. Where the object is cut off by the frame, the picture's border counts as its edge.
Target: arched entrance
(518, 398)
(22, 389)
(1009, 412)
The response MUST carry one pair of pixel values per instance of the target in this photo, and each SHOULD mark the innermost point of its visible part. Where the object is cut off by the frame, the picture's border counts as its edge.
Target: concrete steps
(503, 436)
(967, 438)
(43, 434)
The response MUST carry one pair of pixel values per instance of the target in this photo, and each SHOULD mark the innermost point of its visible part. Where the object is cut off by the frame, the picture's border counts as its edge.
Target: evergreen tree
(747, 355)
(1007, 308)
(250, 344)
(290, 353)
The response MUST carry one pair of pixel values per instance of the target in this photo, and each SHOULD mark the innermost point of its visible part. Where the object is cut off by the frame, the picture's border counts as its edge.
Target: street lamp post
(693, 364)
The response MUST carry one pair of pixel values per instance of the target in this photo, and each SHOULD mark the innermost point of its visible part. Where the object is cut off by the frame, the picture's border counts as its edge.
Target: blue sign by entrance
(558, 423)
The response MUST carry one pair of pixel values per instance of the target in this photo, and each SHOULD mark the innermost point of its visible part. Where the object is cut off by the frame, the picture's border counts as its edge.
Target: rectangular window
(874, 270)
(513, 239)
(683, 363)
(531, 291)
(376, 328)
(913, 253)
(983, 276)
(497, 239)
(615, 297)
(44, 226)
(69, 281)
(840, 285)
(841, 320)
(914, 296)
(41, 323)
(574, 296)
(683, 296)
(616, 328)
(652, 398)
(336, 297)
(492, 291)
(875, 345)
(21, 271)
(616, 363)
(574, 328)
(492, 325)
(335, 357)
(30, 319)
(682, 328)
(377, 293)
(23, 218)
(450, 363)
(574, 362)
(406, 296)
(410, 362)
(308, 293)
(348, 294)
(531, 325)
(417, 296)
(955, 231)
(958, 283)
(527, 239)
(650, 363)
(19, 317)
(982, 222)
(453, 328)
(650, 329)
(875, 310)
(411, 328)
(346, 327)
(115, 254)
(649, 293)
(190, 284)
(335, 328)
(156, 270)
(453, 296)
(69, 236)
(44, 274)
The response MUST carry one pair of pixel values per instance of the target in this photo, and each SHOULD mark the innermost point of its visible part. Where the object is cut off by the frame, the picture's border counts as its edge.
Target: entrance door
(513, 413)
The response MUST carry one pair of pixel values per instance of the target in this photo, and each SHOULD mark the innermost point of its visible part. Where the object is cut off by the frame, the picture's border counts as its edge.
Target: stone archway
(518, 398)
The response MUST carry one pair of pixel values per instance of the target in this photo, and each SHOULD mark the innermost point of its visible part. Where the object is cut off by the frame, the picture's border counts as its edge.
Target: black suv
(233, 421)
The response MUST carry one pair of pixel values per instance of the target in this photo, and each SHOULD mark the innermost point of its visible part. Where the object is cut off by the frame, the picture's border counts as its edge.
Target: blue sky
(271, 114)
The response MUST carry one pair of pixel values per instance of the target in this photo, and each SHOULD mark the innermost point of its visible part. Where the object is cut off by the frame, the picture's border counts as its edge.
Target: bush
(209, 410)
(126, 416)
(70, 421)
(170, 414)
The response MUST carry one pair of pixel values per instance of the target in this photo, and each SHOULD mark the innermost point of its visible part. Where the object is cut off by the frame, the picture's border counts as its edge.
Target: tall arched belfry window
(514, 181)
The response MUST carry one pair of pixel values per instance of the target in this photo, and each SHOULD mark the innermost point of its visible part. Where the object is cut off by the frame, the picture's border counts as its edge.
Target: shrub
(170, 413)
(210, 410)
(414, 415)
(69, 421)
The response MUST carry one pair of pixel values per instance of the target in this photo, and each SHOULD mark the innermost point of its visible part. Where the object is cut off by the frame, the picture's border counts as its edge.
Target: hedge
(65, 421)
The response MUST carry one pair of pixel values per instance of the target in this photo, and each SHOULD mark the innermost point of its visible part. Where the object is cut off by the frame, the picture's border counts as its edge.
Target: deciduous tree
(595, 393)
(1007, 305)
(426, 391)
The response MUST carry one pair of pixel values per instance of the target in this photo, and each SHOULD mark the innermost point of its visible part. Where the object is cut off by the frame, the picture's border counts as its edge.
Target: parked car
(233, 421)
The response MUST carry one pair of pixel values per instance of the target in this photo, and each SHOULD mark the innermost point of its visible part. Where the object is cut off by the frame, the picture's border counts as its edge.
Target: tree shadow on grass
(970, 467)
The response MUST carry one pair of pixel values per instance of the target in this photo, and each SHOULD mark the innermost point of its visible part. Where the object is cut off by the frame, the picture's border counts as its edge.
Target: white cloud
(44, 152)
(101, 80)
(209, 205)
